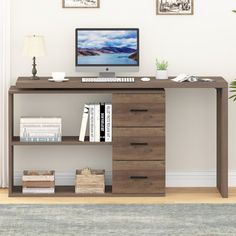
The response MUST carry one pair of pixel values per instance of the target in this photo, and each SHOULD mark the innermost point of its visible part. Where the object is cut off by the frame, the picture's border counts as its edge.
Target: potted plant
(162, 72)
(233, 86)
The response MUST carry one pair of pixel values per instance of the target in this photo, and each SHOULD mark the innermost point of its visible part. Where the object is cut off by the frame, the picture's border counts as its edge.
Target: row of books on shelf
(97, 118)
(43, 182)
(96, 121)
(40, 129)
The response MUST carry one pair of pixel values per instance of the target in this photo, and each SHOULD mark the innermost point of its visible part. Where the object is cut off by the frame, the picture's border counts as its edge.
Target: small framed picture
(174, 7)
(81, 3)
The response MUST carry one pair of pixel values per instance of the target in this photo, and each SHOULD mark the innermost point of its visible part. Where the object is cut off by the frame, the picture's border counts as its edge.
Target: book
(38, 190)
(108, 123)
(38, 175)
(97, 122)
(102, 122)
(91, 123)
(84, 123)
(38, 184)
(40, 129)
(40, 120)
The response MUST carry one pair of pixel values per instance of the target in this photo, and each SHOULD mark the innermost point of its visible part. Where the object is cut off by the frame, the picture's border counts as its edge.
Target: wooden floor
(173, 195)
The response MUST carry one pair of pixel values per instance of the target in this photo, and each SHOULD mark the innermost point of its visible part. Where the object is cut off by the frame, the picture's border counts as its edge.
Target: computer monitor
(107, 50)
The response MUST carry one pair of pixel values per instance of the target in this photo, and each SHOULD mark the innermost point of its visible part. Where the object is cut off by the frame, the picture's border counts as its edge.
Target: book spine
(41, 120)
(38, 190)
(42, 134)
(108, 123)
(38, 178)
(91, 123)
(102, 122)
(84, 123)
(97, 122)
(38, 184)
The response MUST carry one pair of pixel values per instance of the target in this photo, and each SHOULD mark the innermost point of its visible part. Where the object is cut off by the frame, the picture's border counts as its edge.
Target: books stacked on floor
(99, 118)
(40, 129)
(38, 182)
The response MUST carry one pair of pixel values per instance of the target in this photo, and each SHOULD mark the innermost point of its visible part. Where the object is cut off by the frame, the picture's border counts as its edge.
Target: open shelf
(66, 140)
(69, 191)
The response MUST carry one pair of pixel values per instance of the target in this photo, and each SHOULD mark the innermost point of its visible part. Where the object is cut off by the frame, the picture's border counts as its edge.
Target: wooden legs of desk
(222, 141)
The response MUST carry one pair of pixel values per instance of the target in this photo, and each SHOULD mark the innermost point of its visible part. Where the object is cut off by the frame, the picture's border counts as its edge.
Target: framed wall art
(174, 7)
(81, 3)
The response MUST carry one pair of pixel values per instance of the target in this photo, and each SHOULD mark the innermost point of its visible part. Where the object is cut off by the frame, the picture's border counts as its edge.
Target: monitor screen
(107, 47)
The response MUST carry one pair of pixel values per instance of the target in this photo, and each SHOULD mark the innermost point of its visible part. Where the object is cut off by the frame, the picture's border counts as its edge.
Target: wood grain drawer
(138, 144)
(138, 109)
(138, 177)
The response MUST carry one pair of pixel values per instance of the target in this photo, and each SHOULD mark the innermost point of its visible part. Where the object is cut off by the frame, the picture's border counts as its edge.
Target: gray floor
(120, 220)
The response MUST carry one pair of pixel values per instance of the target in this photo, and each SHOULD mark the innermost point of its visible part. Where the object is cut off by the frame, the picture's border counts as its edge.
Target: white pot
(162, 74)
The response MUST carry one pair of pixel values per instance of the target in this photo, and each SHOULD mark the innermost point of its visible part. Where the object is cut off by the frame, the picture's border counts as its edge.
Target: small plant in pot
(162, 72)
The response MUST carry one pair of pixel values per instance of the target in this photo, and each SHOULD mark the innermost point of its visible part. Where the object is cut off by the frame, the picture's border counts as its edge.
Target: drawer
(138, 144)
(138, 177)
(138, 109)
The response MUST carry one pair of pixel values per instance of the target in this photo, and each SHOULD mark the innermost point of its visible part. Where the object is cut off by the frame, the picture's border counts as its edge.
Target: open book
(184, 77)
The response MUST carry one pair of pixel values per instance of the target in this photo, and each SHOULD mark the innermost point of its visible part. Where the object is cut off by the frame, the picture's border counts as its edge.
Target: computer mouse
(145, 79)
(192, 79)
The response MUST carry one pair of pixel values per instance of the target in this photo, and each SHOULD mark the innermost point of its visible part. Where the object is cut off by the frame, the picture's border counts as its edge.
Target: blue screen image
(107, 47)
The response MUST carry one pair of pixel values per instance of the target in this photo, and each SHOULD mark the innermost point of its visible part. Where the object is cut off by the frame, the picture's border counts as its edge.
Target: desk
(25, 85)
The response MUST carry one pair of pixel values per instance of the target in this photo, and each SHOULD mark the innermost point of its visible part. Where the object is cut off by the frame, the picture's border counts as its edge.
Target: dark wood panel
(75, 83)
(138, 110)
(69, 191)
(138, 177)
(66, 140)
(138, 144)
(222, 141)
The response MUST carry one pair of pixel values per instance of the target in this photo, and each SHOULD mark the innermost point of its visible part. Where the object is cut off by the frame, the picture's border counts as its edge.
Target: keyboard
(108, 80)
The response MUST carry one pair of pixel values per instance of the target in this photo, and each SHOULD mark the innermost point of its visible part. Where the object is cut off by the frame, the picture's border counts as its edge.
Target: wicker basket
(93, 183)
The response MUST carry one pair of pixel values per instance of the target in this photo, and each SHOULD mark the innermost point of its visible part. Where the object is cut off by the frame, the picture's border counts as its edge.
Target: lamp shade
(34, 46)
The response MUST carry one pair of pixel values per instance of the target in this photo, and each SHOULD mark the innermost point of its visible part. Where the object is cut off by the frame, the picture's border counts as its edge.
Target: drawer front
(138, 144)
(138, 177)
(138, 109)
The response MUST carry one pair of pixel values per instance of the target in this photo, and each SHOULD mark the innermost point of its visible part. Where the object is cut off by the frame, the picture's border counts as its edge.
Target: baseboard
(173, 179)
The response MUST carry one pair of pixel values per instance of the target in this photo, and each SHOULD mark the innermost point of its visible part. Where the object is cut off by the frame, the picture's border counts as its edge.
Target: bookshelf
(66, 140)
(142, 134)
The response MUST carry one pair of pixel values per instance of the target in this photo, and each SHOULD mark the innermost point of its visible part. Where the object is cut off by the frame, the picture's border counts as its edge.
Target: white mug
(58, 76)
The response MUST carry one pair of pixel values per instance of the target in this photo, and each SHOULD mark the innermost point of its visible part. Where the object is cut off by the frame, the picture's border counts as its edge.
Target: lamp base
(34, 77)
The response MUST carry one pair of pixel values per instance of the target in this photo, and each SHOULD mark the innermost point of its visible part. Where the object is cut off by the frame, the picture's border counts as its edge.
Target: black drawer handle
(138, 177)
(138, 144)
(138, 110)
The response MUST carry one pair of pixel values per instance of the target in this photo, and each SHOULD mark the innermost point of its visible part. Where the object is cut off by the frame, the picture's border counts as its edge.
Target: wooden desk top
(74, 83)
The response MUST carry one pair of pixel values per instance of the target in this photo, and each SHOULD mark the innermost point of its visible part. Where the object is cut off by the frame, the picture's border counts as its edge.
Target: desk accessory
(145, 79)
(34, 46)
(58, 81)
(108, 80)
(162, 72)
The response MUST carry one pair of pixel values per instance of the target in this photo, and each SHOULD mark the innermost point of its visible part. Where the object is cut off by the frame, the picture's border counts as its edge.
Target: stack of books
(36, 182)
(99, 117)
(40, 129)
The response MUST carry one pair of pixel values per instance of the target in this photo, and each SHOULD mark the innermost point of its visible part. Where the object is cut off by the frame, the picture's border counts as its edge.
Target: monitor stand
(107, 75)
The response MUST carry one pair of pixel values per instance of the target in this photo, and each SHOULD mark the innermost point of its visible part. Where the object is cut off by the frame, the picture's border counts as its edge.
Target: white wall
(202, 44)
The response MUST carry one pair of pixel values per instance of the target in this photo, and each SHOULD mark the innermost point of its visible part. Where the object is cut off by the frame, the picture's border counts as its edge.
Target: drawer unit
(139, 177)
(139, 110)
(139, 144)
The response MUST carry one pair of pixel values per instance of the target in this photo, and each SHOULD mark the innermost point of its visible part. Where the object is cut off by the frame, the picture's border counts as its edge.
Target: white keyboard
(108, 80)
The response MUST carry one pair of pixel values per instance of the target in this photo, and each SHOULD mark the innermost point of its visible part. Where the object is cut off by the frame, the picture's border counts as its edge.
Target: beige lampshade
(34, 46)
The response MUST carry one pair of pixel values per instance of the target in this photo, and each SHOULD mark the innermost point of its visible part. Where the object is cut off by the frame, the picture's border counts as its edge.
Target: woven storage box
(93, 183)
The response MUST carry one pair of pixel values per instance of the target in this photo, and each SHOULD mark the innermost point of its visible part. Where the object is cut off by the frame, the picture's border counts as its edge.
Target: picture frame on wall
(81, 3)
(174, 7)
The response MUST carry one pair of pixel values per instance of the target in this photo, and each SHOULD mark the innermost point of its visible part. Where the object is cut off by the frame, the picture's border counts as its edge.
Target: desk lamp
(34, 46)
